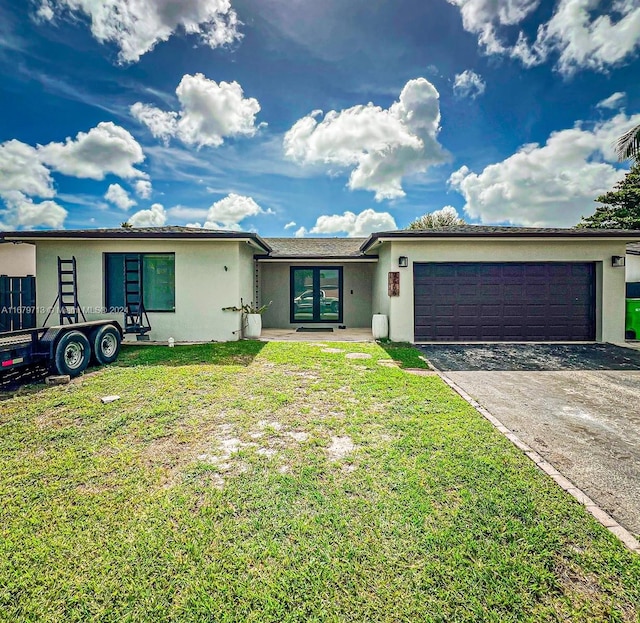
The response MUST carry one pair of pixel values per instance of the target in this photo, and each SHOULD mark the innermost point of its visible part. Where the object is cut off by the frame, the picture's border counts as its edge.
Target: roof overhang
(263, 259)
(33, 236)
(375, 240)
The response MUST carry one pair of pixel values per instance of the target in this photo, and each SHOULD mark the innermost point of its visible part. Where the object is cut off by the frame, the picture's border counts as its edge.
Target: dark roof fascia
(97, 234)
(316, 258)
(630, 235)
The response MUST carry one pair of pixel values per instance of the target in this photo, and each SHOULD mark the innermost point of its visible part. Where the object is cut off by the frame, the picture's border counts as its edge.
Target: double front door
(316, 294)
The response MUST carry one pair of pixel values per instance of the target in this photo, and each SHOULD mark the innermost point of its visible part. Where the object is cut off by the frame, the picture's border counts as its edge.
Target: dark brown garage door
(504, 301)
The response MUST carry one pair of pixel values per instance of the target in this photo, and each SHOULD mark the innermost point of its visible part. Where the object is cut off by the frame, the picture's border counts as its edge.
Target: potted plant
(251, 323)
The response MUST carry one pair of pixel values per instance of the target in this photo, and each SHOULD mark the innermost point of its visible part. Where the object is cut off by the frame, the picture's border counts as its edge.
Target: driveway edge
(598, 513)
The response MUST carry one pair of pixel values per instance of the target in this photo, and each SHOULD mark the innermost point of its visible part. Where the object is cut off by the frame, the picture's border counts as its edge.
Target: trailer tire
(105, 342)
(72, 354)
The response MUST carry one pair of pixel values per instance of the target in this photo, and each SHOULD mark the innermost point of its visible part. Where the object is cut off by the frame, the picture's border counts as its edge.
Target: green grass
(134, 510)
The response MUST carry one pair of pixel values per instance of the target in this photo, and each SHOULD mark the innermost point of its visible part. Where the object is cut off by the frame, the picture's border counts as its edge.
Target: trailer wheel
(73, 353)
(106, 344)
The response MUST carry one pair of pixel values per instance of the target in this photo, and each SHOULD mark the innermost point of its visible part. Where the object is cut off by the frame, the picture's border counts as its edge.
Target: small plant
(248, 308)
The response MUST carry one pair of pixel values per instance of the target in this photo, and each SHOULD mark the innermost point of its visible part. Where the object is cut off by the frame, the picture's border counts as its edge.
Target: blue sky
(298, 117)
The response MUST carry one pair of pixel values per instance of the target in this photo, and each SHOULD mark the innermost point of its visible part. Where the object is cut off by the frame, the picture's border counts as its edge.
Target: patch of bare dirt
(340, 448)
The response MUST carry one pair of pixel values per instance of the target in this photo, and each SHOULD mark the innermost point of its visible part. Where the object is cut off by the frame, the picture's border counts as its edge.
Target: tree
(447, 217)
(621, 206)
(628, 145)
(126, 225)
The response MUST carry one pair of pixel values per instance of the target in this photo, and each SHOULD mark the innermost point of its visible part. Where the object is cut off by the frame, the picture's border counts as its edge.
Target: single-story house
(470, 283)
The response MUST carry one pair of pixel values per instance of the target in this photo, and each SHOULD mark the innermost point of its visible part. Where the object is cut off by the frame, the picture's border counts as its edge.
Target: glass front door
(316, 294)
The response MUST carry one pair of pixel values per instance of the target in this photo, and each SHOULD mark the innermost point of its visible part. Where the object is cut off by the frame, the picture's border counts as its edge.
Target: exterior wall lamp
(403, 261)
(617, 261)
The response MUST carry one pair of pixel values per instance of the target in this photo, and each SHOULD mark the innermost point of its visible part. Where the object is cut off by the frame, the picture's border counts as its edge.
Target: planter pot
(253, 328)
(380, 327)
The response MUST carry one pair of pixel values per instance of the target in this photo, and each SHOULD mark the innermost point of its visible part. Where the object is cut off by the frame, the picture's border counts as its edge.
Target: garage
(504, 301)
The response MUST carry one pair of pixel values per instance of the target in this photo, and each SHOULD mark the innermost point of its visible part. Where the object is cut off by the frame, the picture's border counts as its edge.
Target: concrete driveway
(576, 405)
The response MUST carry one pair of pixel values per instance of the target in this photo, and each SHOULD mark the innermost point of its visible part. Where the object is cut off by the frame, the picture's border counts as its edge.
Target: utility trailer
(65, 349)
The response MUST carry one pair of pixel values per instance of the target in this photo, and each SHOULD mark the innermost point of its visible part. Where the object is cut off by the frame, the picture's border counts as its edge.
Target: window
(158, 280)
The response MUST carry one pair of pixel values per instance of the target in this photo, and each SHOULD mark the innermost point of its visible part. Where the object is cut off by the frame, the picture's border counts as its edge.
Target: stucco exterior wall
(380, 300)
(17, 260)
(357, 289)
(202, 285)
(633, 267)
(610, 282)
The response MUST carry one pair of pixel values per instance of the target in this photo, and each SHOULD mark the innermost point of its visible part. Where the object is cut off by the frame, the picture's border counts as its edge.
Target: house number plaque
(394, 284)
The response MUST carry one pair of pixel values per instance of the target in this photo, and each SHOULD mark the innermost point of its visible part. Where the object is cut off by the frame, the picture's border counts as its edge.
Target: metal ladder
(135, 316)
(69, 309)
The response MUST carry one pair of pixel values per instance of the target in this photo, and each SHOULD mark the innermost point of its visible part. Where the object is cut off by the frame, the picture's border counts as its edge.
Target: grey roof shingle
(329, 248)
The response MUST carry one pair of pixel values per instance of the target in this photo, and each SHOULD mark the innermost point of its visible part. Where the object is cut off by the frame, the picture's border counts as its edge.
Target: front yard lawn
(280, 482)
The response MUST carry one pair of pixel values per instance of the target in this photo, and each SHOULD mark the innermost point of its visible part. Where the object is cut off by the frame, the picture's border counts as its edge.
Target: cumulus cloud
(301, 232)
(143, 189)
(380, 146)
(575, 34)
(136, 26)
(22, 212)
(21, 170)
(614, 101)
(107, 148)
(354, 225)
(209, 113)
(469, 84)
(547, 185)
(290, 225)
(155, 216)
(119, 197)
(228, 212)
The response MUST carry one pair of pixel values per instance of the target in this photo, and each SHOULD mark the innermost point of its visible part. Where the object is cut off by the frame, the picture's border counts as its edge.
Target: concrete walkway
(337, 335)
(576, 405)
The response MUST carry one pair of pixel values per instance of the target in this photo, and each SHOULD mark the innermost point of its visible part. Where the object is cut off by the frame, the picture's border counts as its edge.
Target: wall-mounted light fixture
(403, 261)
(617, 261)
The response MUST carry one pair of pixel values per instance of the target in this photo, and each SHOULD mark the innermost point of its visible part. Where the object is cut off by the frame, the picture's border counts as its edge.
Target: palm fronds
(628, 145)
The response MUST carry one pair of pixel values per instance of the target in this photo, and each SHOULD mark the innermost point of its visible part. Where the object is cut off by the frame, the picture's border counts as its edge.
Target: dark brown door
(504, 301)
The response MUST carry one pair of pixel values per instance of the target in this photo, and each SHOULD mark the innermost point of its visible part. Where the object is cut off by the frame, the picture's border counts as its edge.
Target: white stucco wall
(633, 267)
(202, 285)
(357, 288)
(17, 260)
(610, 282)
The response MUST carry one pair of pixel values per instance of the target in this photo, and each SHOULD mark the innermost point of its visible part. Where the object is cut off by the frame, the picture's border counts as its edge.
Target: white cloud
(381, 146)
(584, 40)
(21, 170)
(105, 149)
(156, 216)
(354, 225)
(228, 212)
(136, 26)
(143, 189)
(22, 213)
(290, 225)
(613, 102)
(576, 34)
(469, 84)
(301, 232)
(547, 185)
(119, 197)
(209, 113)
(185, 213)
